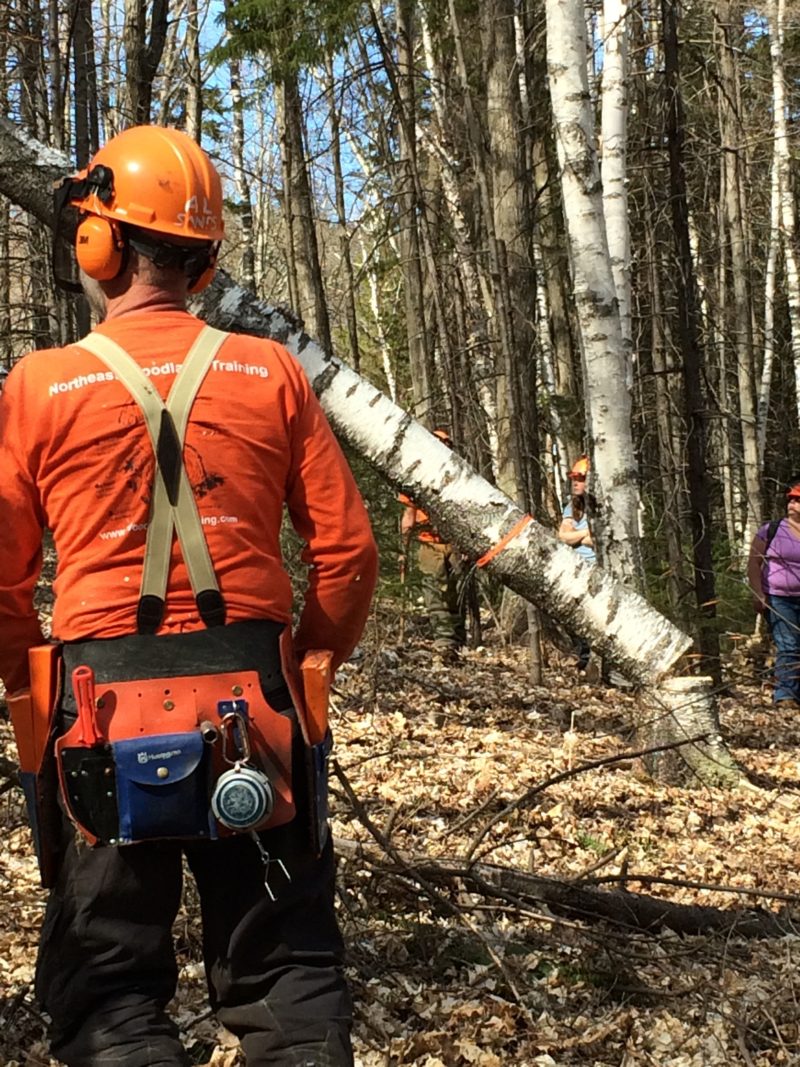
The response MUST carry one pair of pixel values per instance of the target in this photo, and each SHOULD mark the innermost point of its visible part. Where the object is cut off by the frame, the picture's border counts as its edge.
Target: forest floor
(446, 976)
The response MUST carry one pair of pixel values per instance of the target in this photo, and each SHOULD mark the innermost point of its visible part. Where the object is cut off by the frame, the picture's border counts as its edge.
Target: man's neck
(142, 297)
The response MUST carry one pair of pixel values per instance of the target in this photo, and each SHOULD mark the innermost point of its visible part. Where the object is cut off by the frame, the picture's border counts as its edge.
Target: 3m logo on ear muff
(99, 248)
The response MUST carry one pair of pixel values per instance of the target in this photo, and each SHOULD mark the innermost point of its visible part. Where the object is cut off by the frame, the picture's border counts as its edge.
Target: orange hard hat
(155, 178)
(580, 468)
(443, 435)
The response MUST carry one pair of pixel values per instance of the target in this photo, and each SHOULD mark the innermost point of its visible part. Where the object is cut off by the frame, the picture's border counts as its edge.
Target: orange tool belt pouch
(310, 684)
(33, 714)
(196, 756)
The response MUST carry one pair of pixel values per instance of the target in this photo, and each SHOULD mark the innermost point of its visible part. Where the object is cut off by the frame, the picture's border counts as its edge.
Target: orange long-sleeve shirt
(75, 457)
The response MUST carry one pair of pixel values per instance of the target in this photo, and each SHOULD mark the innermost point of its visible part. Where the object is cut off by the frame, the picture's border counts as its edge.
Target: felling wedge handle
(83, 688)
(316, 675)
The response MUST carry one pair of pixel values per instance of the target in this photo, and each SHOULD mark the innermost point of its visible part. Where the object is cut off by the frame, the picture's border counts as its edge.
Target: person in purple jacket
(773, 572)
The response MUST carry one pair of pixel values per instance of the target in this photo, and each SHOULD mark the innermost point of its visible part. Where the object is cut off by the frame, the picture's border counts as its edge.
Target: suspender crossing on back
(174, 507)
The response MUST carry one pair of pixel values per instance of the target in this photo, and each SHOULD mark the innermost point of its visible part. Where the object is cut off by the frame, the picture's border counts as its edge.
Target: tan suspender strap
(181, 512)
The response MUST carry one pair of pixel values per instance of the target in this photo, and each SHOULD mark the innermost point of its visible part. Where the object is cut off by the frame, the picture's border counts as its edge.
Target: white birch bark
(775, 16)
(559, 457)
(608, 400)
(614, 138)
(765, 385)
(466, 508)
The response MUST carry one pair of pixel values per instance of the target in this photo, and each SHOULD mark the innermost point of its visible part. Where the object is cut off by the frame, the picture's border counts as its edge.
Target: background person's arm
(755, 573)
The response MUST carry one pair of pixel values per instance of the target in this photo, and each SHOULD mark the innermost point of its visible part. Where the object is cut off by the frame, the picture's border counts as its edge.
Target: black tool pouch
(89, 789)
(141, 789)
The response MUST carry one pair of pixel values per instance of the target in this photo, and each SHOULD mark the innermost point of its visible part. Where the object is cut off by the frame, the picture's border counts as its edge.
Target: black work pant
(107, 968)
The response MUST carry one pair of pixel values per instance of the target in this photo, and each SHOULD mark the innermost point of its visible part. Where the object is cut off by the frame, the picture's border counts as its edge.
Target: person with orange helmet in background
(574, 531)
(441, 568)
(170, 706)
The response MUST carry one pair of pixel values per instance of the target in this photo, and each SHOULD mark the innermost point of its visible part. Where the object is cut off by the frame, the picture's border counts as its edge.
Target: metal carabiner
(234, 732)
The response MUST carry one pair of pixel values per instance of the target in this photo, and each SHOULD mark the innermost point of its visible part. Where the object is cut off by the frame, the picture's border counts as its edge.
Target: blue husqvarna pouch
(162, 787)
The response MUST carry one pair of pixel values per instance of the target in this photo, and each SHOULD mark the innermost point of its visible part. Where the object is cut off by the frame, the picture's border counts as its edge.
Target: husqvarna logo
(146, 757)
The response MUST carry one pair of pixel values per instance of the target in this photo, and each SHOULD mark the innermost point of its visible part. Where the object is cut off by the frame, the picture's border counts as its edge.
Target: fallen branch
(627, 911)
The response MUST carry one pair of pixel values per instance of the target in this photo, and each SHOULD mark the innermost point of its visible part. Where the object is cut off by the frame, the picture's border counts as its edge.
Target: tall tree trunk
(740, 320)
(194, 81)
(419, 354)
(614, 126)
(245, 203)
(341, 215)
(768, 358)
(515, 278)
(782, 163)
(608, 401)
(302, 226)
(671, 491)
(691, 353)
(478, 301)
(56, 86)
(142, 56)
(85, 86)
(554, 275)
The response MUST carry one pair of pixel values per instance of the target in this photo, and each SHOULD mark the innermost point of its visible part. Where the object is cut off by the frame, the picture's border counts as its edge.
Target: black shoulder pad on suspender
(149, 613)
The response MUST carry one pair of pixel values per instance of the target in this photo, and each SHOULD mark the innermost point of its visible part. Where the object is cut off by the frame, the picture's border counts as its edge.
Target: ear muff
(206, 276)
(99, 248)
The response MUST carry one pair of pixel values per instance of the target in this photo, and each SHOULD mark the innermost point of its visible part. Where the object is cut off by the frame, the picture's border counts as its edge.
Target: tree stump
(678, 709)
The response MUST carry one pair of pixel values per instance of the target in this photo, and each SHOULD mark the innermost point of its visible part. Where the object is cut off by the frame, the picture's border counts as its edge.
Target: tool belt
(146, 751)
(200, 755)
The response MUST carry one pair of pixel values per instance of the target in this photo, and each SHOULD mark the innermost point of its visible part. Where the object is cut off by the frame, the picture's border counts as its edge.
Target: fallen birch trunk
(469, 511)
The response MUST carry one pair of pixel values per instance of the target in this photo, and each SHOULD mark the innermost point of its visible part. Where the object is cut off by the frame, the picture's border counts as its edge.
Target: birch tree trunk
(554, 275)
(614, 127)
(782, 156)
(768, 356)
(608, 400)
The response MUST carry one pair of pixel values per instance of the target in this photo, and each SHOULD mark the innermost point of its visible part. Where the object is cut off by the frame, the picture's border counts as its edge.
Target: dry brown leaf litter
(433, 753)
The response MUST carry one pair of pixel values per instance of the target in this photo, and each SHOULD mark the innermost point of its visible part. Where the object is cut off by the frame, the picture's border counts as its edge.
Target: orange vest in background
(423, 529)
